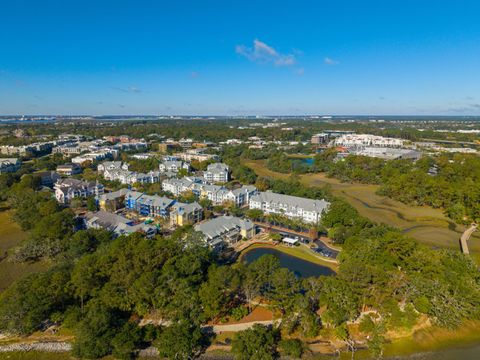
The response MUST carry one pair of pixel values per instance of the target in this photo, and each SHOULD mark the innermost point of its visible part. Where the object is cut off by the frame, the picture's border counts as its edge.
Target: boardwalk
(464, 238)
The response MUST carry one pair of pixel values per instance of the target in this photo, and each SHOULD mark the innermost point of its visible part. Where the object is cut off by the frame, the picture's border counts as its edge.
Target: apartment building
(360, 140)
(117, 224)
(173, 166)
(99, 155)
(118, 171)
(217, 172)
(225, 230)
(9, 165)
(68, 189)
(294, 207)
(185, 214)
(148, 205)
(178, 186)
(69, 169)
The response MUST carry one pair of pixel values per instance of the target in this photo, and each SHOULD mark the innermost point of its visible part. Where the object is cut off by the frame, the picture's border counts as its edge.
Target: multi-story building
(98, 155)
(118, 171)
(47, 178)
(185, 214)
(148, 205)
(68, 150)
(117, 224)
(9, 165)
(294, 207)
(196, 154)
(68, 189)
(69, 169)
(113, 201)
(217, 172)
(388, 153)
(111, 166)
(359, 140)
(173, 166)
(225, 230)
(219, 195)
(321, 138)
(179, 186)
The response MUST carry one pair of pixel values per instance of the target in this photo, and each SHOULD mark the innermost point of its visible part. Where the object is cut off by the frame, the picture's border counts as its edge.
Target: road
(464, 238)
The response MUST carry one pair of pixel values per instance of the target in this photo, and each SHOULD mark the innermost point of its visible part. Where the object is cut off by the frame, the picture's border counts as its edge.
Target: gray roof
(186, 208)
(217, 167)
(291, 201)
(154, 200)
(114, 195)
(106, 220)
(8, 161)
(220, 225)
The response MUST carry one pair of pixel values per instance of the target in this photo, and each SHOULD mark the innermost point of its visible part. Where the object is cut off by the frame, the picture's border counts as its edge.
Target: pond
(299, 267)
(303, 161)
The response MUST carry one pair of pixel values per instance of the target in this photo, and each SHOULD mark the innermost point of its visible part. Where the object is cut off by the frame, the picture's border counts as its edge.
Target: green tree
(182, 340)
(257, 343)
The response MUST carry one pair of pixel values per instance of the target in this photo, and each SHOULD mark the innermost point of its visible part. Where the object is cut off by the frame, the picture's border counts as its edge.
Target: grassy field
(10, 236)
(427, 225)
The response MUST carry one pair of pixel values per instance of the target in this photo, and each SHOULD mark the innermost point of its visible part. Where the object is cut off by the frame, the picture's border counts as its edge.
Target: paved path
(464, 238)
(240, 326)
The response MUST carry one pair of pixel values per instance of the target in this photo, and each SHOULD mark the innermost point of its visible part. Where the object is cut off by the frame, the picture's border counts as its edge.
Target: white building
(9, 165)
(67, 189)
(356, 140)
(118, 171)
(173, 166)
(217, 172)
(225, 230)
(294, 207)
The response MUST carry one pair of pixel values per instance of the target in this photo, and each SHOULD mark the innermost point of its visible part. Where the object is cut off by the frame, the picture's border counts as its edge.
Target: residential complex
(225, 230)
(148, 205)
(217, 172)
(118, 171)
(69, 169)
(68, 189)
(353, 140)
(9, 165)
(117, 224)
(174, 166)
(294, 207)
(185, 214)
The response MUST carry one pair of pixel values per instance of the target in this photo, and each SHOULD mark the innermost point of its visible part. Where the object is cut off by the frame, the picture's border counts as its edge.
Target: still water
(299, 267)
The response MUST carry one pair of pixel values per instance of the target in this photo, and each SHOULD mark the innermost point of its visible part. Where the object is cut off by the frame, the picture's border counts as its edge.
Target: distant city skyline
(240, 58)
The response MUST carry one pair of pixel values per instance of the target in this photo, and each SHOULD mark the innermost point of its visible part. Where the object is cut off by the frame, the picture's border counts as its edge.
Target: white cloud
(130, 89)
(300, 71)
(330, 61)
(263, 53)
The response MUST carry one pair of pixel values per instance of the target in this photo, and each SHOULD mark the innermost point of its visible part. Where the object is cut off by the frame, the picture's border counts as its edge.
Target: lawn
(10, 236)
(427, 225)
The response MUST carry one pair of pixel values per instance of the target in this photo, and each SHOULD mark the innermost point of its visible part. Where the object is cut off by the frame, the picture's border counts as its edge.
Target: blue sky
(239, 57)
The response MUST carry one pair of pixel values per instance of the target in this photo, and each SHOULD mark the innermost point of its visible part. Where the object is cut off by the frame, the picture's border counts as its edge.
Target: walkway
(464, 238)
